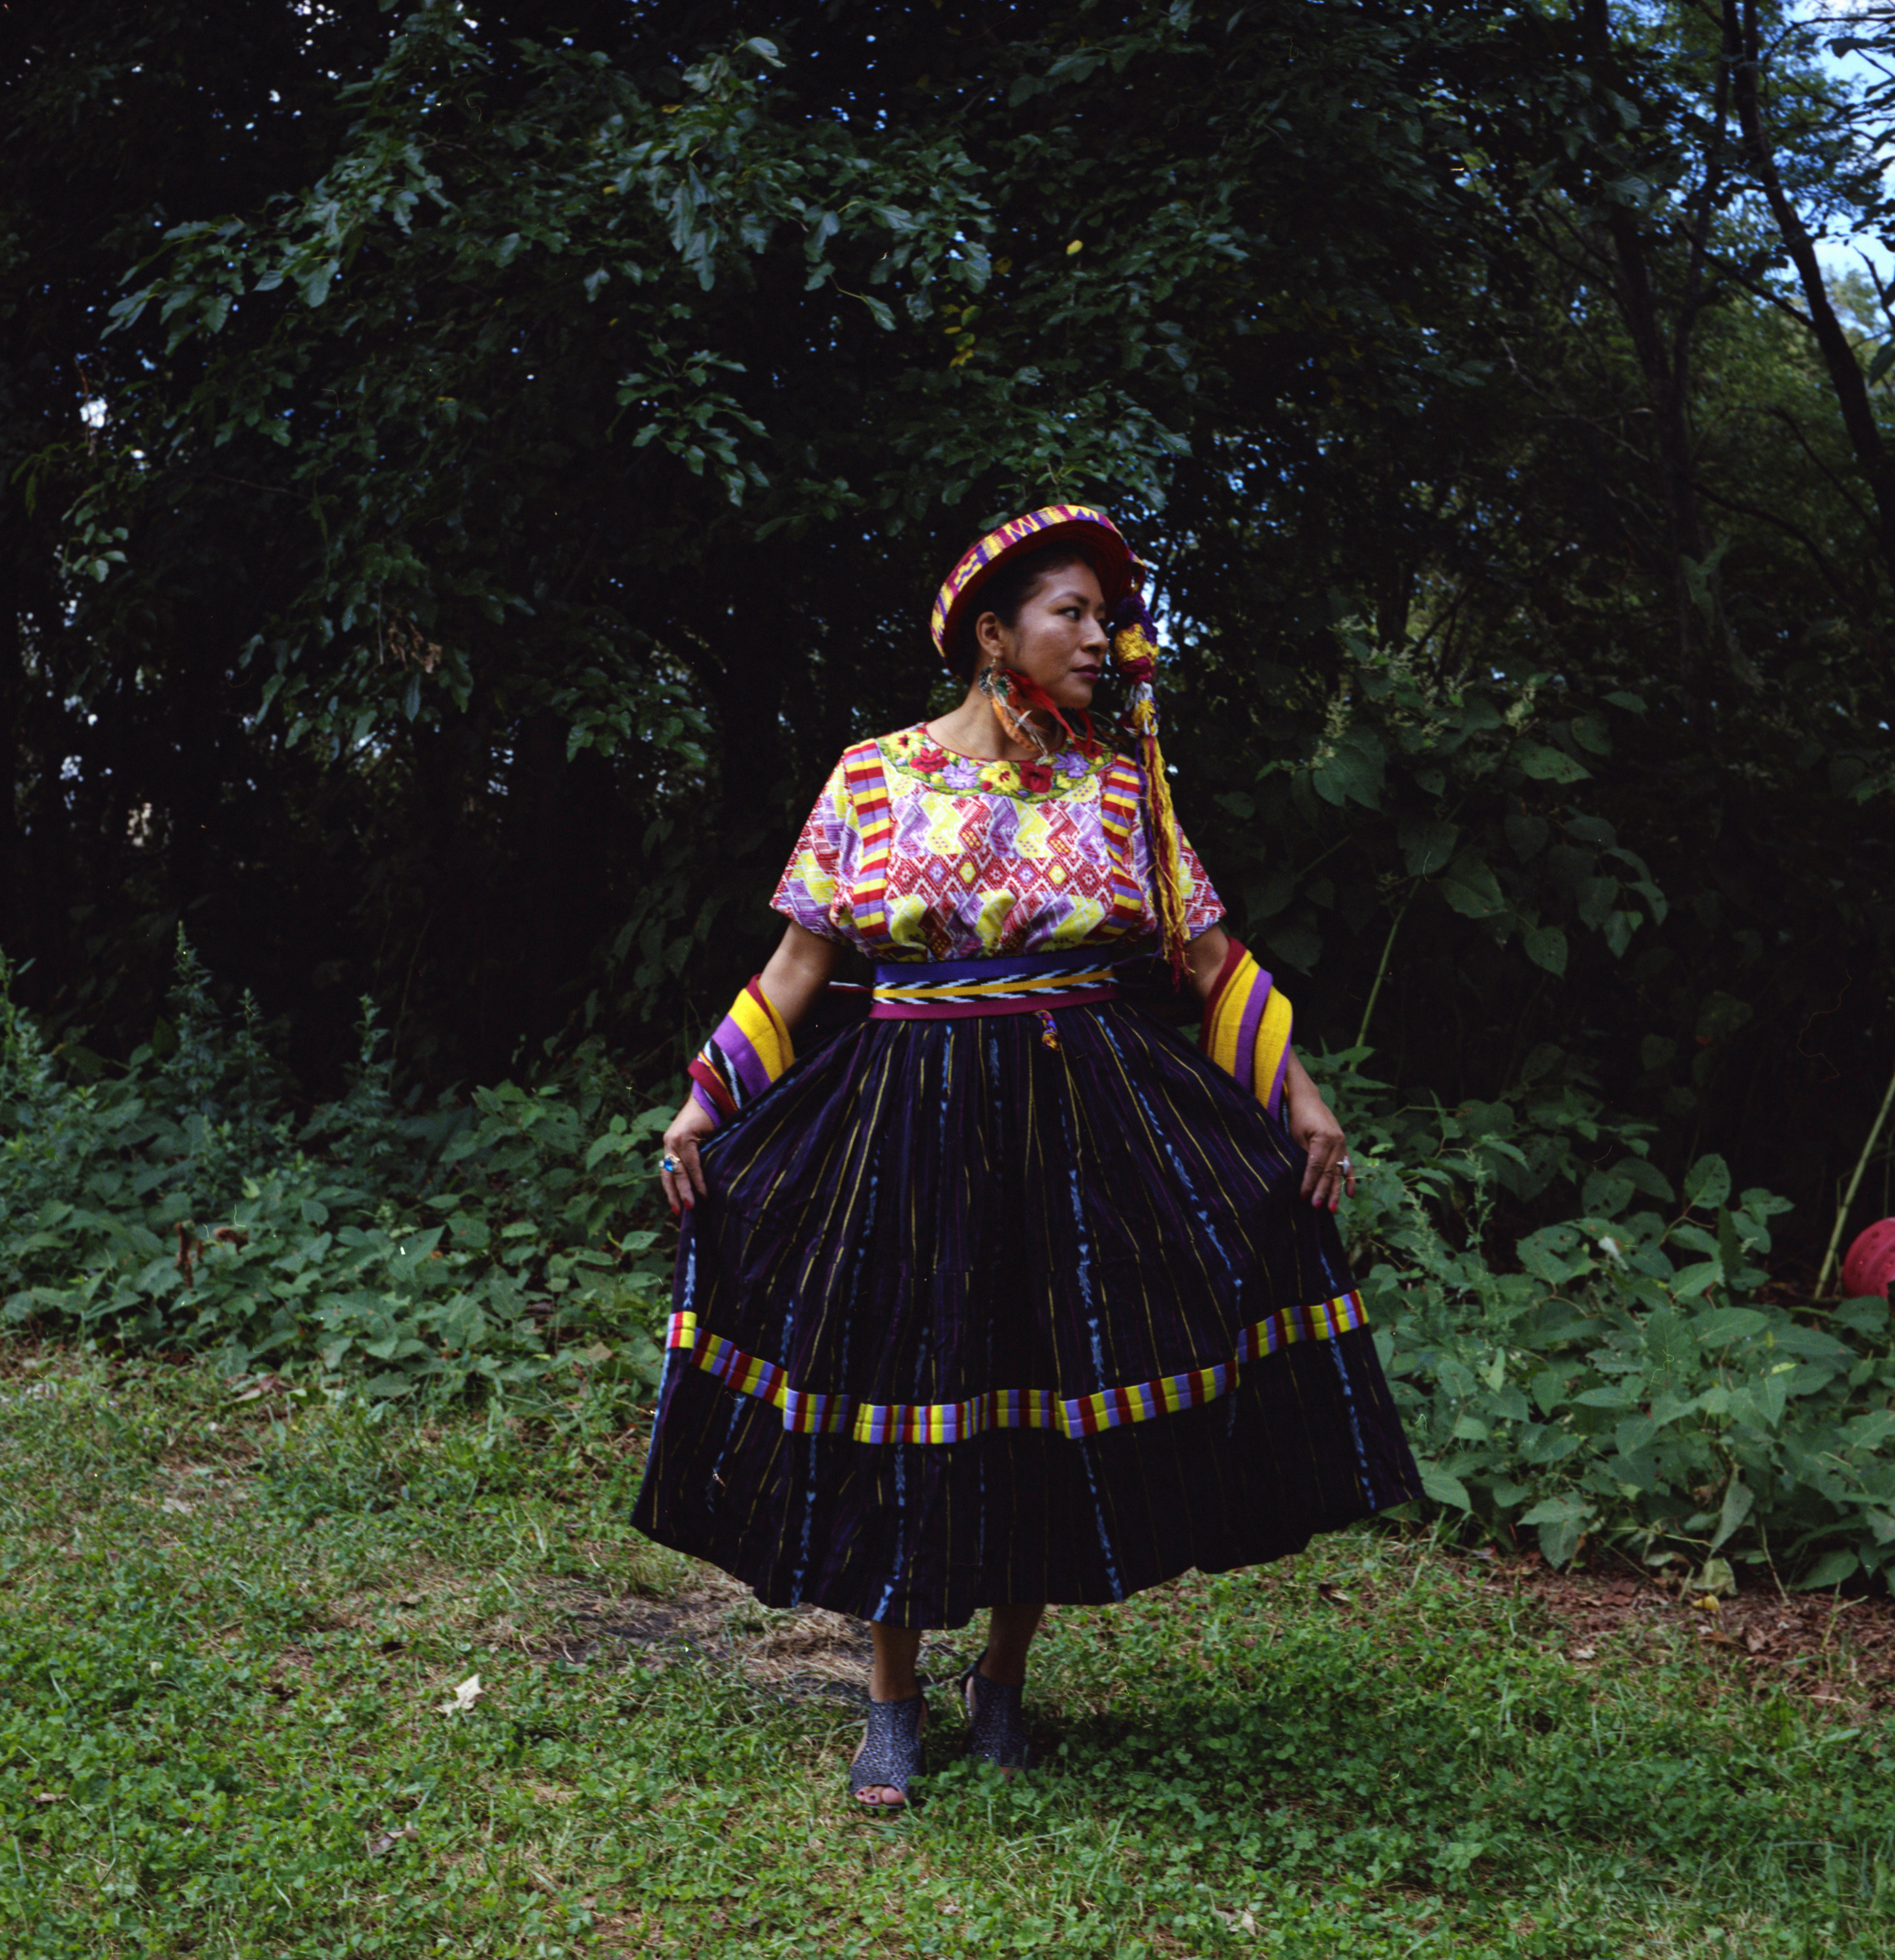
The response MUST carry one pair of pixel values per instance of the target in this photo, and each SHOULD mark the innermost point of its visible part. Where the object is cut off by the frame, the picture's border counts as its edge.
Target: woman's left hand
(1329, 1176)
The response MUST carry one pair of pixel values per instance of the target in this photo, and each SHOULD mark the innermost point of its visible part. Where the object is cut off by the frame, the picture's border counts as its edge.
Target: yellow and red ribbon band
(751, 1049)
(1247, 1027)
(806, 1413)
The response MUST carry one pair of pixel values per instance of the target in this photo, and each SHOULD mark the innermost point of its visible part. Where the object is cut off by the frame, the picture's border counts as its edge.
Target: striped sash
(1023, 984)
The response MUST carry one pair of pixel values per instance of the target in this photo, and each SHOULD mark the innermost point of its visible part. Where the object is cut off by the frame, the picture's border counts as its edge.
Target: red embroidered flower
(1036, 778)
(929, 760)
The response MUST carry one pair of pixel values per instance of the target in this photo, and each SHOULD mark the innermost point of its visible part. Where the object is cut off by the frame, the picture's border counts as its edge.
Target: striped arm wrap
(751, 1049)
(1247, 1027)
(807, 1414)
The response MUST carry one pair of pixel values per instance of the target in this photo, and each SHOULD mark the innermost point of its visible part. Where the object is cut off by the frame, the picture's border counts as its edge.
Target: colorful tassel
(1135, 653)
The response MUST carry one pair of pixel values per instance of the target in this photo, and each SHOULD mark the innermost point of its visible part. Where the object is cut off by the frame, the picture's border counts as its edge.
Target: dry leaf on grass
(380, 1846)
(465, 1695)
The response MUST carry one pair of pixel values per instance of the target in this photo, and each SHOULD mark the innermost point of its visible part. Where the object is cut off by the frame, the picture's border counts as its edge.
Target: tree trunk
(1743, 50)
(1667, 373)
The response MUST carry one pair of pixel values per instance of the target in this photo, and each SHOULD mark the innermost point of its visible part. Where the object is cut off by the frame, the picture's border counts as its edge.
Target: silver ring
(1346, 1166)
(668, 1162)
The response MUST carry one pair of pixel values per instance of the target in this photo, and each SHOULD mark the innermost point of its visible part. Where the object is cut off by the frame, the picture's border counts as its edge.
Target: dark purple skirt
(968, 1318)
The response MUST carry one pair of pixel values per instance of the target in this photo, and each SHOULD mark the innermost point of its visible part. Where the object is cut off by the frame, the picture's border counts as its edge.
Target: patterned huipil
(913, 852)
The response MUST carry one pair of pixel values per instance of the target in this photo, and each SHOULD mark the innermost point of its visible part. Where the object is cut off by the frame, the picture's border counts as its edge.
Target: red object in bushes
(1870, 1267)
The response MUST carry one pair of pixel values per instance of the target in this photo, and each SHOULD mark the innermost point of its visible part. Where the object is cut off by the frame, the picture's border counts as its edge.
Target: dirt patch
(794, 1653)
(1837, 1651)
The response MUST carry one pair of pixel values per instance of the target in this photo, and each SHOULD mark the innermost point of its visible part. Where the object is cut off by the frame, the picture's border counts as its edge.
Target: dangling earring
(997, 681)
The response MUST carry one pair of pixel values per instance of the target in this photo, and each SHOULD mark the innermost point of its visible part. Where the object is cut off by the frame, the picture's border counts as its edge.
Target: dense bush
(496, 1244)
(1634, 1382)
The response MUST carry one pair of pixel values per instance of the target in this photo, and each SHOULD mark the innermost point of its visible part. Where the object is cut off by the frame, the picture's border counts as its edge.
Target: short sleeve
(820, 869)
(1203, 907)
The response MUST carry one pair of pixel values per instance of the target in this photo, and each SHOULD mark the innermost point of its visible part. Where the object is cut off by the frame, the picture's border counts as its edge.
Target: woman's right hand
(686, 1130)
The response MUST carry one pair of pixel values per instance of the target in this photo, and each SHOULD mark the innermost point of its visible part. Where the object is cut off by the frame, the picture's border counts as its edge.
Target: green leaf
(1549, 766)
(1563, 1522)
(1527, 835)
(1604, 1195)
(1546, 947)
(1354, 772)
(1708, 1182)
(1444, 1488)
(1832, 1569)
(1597, 897)
(1554, 1253)
(1670, 1346)
(1643, 1175)
(1724, 1324)
(1427, 843)
(1471, 887)
(1739, 1501)
(1693, 1280)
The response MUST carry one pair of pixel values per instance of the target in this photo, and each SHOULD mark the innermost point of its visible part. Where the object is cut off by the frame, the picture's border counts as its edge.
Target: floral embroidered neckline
(915, 753)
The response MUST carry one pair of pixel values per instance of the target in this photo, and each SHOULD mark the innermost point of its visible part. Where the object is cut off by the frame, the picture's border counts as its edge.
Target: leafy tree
(518, 460)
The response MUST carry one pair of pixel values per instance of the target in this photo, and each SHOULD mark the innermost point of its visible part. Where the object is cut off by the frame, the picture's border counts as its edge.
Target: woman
(1007, 1295)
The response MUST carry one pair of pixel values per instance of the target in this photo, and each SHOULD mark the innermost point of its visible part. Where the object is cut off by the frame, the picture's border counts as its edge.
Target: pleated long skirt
(968, 1318)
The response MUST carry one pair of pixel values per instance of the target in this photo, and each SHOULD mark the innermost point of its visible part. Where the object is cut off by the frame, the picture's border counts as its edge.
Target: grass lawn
(230, 1642)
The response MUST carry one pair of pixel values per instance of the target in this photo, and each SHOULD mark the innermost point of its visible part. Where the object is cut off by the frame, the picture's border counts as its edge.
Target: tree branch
(1847, 380)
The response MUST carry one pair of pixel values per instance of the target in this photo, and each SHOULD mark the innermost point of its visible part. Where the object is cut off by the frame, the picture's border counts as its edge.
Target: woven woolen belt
(955, 989)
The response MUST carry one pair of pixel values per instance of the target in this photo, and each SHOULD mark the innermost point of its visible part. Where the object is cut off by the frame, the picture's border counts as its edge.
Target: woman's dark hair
(1003, 593)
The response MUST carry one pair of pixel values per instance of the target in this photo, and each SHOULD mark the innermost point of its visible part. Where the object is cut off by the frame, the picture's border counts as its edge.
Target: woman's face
(1059, 639)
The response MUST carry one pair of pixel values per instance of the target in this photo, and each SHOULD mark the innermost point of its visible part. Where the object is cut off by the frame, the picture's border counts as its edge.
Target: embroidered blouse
(913, 852)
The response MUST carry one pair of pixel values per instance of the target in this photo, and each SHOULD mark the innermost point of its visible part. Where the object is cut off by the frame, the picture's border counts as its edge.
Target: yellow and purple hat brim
(1091, 534)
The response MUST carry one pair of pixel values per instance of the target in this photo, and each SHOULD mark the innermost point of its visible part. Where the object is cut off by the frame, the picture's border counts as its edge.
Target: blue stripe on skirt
(922, 1215)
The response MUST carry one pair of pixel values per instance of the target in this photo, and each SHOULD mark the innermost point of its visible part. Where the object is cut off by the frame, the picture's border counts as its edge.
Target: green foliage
(514, 465)
(1625, 1377)
(491, 1247)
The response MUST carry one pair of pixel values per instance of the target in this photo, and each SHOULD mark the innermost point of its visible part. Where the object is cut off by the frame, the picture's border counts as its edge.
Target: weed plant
(1632, 1381)
(232, 1634)
(501, 1245)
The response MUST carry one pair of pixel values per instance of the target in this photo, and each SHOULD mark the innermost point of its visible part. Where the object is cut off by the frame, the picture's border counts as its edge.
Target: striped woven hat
(1090, 532)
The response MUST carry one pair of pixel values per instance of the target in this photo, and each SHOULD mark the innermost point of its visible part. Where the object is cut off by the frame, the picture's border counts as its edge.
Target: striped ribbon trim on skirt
(806, 1413)
(1027, 983)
